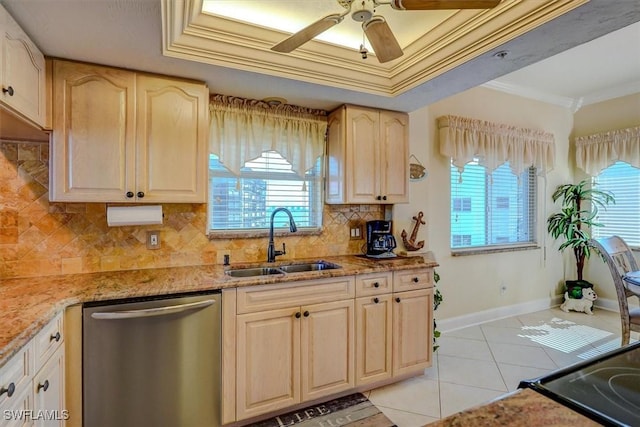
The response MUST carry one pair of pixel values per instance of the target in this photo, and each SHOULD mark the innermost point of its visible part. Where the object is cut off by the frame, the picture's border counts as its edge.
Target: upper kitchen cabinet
(22, 73)
(367, 156)
(121, 136)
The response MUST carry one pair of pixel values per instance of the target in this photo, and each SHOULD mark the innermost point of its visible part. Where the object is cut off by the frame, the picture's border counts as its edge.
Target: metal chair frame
(621, 261)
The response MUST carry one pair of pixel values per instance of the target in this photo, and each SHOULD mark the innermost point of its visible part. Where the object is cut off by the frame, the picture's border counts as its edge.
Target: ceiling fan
(375, 27)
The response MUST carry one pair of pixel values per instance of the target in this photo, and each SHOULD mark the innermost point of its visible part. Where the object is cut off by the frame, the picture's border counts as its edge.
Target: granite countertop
(26, 305)
(521, 408)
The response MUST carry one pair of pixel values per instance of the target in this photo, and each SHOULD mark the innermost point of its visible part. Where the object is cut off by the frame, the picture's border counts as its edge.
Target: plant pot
(574, 287)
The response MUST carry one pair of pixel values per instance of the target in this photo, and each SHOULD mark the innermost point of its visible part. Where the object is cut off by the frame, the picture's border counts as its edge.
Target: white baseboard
(476, 318)
(612, 304)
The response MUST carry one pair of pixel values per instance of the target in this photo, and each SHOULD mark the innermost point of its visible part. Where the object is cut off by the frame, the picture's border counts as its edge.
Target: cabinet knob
(8, 90)
(416, 280)
(44, 386)
(384, 197)
(398, 299)
(376, 300)
(129, 194)
(376, 285)
(9, 390)
(298, 315)
(55, 337)
(379, 198)
(306, 314)
(140, 194)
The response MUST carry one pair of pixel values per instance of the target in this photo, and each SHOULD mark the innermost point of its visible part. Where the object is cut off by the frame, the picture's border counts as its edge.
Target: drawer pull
(376, 285)
(416, 280)
(55, 337)
(8, 90)
(306, 314)
(398, 299)
(9, 390)
(298, 315)
(44, 386)
(376, 300)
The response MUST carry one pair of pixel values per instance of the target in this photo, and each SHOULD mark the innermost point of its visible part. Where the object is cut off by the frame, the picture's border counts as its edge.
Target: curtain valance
(242, 129)
(599, 151)
(464, 139)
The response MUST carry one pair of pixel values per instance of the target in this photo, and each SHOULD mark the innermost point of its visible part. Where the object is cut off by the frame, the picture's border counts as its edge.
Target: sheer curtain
(241, 129)
(464, 139)
(599, 151)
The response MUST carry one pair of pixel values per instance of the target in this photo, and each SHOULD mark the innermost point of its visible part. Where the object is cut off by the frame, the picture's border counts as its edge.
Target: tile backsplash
(40, 238)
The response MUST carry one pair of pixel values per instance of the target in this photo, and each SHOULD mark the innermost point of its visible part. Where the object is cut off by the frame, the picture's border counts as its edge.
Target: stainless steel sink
(311, 266)
(252, 272)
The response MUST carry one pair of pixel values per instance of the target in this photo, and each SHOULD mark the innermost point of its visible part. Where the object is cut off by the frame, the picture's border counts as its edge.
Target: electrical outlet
(153, 239)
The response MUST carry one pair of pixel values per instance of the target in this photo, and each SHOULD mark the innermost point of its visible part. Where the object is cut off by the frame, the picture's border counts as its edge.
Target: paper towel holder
(118, 216)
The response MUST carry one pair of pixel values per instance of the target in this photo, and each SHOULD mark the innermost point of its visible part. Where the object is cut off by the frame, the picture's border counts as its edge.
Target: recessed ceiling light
(274, 101)
(501, 54)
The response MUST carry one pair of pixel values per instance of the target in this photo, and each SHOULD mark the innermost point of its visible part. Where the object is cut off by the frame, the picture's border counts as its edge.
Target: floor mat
(354, 410)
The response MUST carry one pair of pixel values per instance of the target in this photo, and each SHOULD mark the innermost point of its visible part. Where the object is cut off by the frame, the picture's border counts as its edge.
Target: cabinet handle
(384, 197)
(416, 280)
(379, 198)
(376, 285)
(8, 90)
(306, 314)
(129, 194)
(398, 299)
(55, 337)
(298, 315)
(9, 390)
(44, 386)
(376, 300)
(140, 194)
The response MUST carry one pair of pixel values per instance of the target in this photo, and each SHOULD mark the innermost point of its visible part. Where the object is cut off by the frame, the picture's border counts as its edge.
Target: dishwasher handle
(149, 312)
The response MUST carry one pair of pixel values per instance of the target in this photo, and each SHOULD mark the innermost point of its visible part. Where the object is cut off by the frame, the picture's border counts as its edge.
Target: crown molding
(190, 34)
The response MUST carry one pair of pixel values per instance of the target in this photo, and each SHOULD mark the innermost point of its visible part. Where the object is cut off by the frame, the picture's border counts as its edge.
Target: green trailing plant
(575, 220)
(437, 299)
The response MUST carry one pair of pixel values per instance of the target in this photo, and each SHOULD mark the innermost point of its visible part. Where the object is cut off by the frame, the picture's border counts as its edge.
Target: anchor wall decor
(410, 244)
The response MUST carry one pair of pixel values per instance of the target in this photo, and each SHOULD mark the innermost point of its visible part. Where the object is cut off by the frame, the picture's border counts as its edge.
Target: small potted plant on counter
(574, 222)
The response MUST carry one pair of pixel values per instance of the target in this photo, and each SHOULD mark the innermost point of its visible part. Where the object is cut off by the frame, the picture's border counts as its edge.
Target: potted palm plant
(574, 223)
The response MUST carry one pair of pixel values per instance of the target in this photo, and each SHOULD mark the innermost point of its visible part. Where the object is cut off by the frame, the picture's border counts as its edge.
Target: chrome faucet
(272, 253)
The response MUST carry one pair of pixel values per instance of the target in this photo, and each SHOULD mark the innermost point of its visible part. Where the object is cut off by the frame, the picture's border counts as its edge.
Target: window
(265, 183)
(622, 218)
(502, 207)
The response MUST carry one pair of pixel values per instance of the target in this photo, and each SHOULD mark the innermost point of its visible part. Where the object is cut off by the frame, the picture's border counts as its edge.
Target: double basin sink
(282, 269)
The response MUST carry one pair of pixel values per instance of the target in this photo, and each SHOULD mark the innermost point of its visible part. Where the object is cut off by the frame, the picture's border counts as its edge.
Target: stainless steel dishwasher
(153, 362)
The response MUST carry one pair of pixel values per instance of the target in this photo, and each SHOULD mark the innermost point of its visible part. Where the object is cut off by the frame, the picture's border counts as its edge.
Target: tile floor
(480, 363)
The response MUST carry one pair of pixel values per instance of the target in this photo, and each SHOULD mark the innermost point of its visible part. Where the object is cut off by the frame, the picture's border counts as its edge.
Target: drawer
(374, 284)
(15, 377)
(269, 297)
(409, 280)
(48, 340)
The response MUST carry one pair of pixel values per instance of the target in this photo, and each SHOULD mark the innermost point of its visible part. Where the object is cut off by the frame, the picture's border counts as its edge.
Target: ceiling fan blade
(382, 39)
(443, 4)
(301, 37)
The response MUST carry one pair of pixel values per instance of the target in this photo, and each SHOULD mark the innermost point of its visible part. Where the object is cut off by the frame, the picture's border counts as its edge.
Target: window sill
(261, 233)
(482, 251)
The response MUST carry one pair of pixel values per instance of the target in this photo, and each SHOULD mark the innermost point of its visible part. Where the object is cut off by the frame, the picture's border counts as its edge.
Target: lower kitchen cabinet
(412, 331)
(48, 392)
(291, 355)
(373, 338)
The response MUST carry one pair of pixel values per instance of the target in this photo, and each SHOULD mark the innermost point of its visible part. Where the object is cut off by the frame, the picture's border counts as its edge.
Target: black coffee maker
(380, 241)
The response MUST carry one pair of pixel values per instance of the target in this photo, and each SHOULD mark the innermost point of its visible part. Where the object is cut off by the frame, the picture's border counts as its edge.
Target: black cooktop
(605, 389)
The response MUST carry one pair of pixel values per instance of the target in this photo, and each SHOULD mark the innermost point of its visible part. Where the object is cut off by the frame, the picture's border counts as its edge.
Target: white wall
(472, 283)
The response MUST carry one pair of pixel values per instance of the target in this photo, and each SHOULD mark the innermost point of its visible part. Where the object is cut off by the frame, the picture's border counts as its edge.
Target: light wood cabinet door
(93, 156)
(327, 349)
(268, 367)
(171, 137)
(412, 331)
(394, 156)
(373, 338)
(367, 156)
(48, 392)
(22, 72)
